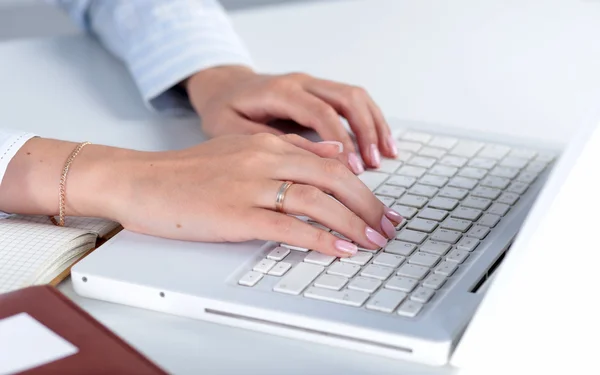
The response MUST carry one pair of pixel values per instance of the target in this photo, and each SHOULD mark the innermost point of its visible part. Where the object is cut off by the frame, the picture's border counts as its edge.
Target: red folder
(100, 350)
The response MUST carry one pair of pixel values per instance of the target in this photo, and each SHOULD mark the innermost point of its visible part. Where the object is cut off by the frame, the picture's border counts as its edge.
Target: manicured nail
(346, 247)
(393, 215)
(392, 145)
(339, 144)
(388, 227)
(375, 237)
(375, 155)
(355, 164)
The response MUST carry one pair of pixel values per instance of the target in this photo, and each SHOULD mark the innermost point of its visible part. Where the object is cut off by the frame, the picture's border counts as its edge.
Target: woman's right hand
(225, 189)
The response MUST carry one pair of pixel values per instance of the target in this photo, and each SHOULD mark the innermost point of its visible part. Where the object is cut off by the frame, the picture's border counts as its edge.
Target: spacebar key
(346, 297)
(372, 179)
(298, 278)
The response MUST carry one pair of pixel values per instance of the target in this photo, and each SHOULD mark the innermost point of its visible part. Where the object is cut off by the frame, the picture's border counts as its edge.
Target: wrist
(208, 83)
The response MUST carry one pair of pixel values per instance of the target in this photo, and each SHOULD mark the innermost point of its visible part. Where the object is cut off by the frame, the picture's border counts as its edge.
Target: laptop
(474, 202)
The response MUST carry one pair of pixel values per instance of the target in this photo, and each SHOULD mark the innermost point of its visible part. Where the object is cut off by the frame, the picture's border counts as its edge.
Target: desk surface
(507, 67)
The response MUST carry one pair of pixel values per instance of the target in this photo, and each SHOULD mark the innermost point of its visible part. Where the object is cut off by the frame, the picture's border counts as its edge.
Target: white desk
(465, 63)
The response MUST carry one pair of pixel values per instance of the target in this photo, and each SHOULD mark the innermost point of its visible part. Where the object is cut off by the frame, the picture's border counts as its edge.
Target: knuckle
(334, 168)
(282, 225)
(297, 76)
(266, 141)
(357, 93)
(320, 236)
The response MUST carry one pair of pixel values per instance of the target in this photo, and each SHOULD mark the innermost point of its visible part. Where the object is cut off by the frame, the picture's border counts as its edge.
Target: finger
(354, 104)
(325, 149)
(312, 112)
(245, 126)
(331, 176)
(387, 143)
(278, 227)
(309, 201)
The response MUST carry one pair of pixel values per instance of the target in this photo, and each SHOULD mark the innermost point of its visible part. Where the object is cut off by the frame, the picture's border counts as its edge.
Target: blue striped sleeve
(162, 42)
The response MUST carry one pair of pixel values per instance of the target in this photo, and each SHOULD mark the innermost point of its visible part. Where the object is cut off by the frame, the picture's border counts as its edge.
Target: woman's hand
(225, 189)
(236, 100)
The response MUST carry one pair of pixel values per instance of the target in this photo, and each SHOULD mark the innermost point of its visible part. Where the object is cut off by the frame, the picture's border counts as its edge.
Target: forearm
(31, 182)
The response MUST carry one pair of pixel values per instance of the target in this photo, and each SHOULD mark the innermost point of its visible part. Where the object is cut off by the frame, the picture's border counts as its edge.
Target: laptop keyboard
(452, 192)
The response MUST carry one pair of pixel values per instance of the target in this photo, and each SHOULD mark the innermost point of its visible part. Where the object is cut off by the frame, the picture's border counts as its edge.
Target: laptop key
(466, 148)
(434, 281)
(410, 308)
(402, 181)
(401, 283)
(453, 192)
(446, 268)
(526, 177)
(444, 171)
(499, 209)
(517, 187)
(343, 269)
(405, 211)
(432, 152)
(389, 165)
(319, 258)
(264, 265)
(365, 284)
(443, 142)
(278, 253)
(296, 280)
(495, 182)
(408, 146)
(457, 256)
(423, 259)
(423, 225)
(454, 161)
(494, 152)
(456, 224)
(463, 182)
(513, 162)
(443, 203)
(471, 172)
(400, 248)
(504, 172)
(435, 247)
(392, 191)
(333, 282)
(489, 220)
(482, 163)
(413, 270)
(386, 300)
(361, 258)
(486, 192)
(424, 190)
(388, 201)
(416, 137)
(388, 260)
(477, 202)
(413, 236)
(377, 272)
(251, 278)
(446, 235)
(478, 231)
(437, 181)
(411, 171)
(432, 214)
(280, 269)
(466, 213)
(467, 243)
(413, 200)
(421, 161)
(422, 294)
(348, 297)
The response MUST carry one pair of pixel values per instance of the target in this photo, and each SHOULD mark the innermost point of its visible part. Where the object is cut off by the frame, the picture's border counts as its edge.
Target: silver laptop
(466, 197)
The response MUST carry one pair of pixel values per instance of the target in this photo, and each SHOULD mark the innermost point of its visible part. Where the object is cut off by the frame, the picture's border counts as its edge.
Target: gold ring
(281, 195)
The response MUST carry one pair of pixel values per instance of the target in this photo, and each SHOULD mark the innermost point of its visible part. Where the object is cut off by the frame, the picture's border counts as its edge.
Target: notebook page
(101, 227)
(29, 249)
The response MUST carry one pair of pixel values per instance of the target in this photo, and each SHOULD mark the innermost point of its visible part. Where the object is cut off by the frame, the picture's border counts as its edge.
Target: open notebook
(34, 251)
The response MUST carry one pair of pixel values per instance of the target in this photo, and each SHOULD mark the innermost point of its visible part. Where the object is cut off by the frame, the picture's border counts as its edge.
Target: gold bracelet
(62, 189)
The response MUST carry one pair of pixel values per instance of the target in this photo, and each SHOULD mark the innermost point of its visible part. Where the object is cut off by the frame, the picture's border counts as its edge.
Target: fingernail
(346, 247)
(388, 227)
(339, 144)
(375, 155)
(375, 237)
(392, 145)
(355, 164)
(393, 215)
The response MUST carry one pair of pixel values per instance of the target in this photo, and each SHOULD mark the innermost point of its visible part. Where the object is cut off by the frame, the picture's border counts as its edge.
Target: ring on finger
(281, 195)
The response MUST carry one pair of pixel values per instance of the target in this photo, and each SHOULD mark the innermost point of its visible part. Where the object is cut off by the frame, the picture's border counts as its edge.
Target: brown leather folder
(100, 350)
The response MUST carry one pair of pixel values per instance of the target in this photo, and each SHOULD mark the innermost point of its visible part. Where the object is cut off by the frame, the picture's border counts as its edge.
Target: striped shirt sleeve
(161, 42)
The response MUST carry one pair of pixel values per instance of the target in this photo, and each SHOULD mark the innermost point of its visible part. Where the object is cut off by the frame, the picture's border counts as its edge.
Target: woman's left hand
(236, 100)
